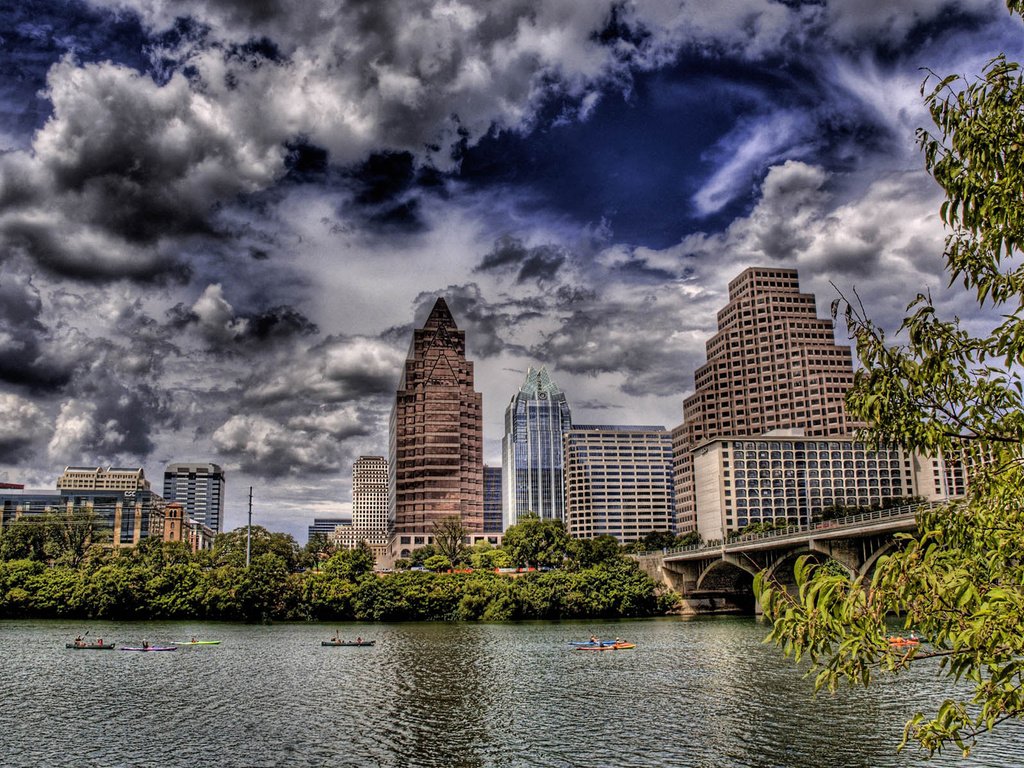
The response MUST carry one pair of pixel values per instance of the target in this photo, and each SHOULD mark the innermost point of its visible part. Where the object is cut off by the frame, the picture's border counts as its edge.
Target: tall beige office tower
(773, 364)
(436, 467)
(369, 509)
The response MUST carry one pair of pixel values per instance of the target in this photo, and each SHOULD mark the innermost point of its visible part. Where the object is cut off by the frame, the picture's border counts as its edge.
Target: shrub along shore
(160, 580)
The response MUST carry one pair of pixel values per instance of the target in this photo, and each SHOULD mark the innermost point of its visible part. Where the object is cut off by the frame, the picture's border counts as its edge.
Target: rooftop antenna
(248, 531)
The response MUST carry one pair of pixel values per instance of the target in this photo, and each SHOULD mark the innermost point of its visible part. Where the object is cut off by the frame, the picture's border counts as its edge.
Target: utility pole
(248, 531)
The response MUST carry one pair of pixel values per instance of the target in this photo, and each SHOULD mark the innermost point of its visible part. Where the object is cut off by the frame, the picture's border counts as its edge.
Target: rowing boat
(149, 648)
(90, 646)
(347, 642)
(612, 647)
(592, 644)
(197, 642)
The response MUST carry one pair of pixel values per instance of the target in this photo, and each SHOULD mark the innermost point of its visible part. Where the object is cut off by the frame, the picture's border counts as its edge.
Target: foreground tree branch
(958, 580)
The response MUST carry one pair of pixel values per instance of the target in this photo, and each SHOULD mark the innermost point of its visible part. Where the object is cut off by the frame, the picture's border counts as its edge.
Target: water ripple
(693, 693)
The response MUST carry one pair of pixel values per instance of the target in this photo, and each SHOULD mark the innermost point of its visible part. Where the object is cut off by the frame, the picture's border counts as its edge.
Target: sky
(221, 220)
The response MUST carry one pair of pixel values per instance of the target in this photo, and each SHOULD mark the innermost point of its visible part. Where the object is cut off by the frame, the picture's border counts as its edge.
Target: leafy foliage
(449, 539)
(156, 579)
(947, 393)
(537, 543)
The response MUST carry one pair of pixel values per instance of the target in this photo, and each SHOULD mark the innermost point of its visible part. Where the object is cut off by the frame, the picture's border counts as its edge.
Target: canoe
(150, 648)
(90, 646)
(197, 642)
(347, 642)
(612, 647)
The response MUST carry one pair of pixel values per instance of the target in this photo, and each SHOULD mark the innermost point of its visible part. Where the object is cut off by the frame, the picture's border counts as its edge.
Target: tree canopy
(948, 393)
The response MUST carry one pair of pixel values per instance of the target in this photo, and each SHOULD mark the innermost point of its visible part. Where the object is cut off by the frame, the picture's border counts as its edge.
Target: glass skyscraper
(531, 450)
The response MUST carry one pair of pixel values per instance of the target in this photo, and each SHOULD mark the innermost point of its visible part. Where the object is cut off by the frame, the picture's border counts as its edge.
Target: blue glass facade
(532, 466)
(128, 516)
(492, 500)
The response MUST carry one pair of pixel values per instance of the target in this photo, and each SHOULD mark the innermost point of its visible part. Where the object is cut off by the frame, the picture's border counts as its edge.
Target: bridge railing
(850, 521)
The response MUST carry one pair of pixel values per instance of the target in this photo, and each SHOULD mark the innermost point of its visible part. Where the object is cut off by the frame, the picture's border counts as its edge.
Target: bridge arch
(727, 574)
(869, 565)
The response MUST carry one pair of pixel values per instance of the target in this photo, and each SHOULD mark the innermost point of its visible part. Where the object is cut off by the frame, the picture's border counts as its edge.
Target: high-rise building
(199, 488)
(772, 364)
(369, 507)
(531, 450)
(435, 461)
(492, 500)
(618, 481)
(370, 497)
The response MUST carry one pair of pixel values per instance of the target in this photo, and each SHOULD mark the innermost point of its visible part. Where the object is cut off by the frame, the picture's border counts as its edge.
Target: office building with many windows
(492, 501)
(435, 460)
(369, 522)
(127, 510)
(531, 450)
(199, 488)
(618, 481)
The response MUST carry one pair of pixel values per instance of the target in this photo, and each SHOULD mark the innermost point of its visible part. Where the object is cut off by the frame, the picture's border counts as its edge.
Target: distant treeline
(40, 578)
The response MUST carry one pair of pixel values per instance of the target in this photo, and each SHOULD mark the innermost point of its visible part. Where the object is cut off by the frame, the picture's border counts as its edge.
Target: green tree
(450, 538)
(72, 533)
(587, 552)
(229, 548)
(350, 564)
(317, 549)
(537, 543)
(947, 393)
(482, 556)
(437, 563)
(23, 539)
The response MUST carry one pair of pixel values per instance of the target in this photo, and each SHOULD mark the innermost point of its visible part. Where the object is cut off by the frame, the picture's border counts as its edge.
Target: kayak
(90, 646)
(348, 643)
(149, 648)
(197, 642)
(612, 647)
(592, 644)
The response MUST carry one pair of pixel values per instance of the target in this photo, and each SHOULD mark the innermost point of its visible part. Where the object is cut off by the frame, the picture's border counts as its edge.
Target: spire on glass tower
(531, 461)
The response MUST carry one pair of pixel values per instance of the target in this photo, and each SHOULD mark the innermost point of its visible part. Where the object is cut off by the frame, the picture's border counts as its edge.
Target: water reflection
(693, 693)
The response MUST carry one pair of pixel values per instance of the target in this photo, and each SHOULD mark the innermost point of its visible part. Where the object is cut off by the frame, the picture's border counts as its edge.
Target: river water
(702, 692)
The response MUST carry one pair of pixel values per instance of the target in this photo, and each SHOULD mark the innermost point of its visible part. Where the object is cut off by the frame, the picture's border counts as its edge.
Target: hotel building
(772, 364)
(531, 450)
(618, 481)
(790, 479)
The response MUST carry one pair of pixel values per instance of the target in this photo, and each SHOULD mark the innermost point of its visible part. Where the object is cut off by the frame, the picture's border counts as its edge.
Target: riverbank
(155, 588)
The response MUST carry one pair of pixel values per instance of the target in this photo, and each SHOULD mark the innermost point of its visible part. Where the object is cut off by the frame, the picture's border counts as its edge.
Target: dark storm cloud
(26, 355)
(510, 254)
(226, 331)
(36, 34)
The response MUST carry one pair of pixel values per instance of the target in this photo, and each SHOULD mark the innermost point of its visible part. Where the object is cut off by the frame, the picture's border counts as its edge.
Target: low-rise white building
(788, 478)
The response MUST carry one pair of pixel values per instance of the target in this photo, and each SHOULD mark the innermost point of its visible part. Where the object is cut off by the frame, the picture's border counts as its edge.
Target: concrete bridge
(718, 576)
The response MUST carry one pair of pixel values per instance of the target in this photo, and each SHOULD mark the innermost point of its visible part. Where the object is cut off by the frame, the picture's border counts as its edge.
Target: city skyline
(219, 232)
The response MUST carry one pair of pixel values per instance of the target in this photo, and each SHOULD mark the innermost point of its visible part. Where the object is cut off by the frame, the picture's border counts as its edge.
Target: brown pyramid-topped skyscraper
(773, 364)
(436, 437)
